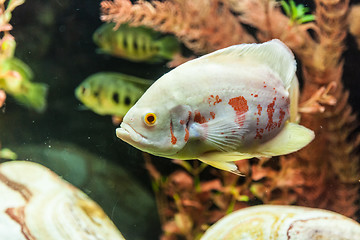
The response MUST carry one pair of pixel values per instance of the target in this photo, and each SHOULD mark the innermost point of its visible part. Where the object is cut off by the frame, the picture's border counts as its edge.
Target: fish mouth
(128, 134)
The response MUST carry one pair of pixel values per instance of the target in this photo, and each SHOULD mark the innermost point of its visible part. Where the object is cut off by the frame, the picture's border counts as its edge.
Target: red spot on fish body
(214, 100)
(182, 122)
(281, 117)
(256, 95)
(186, 138)
(270, 110)
(188, 119)
(173, 138)
(199, 118)
(259, 109)
(218, 100)
(240, 106)
(212, 115)
(258, 133)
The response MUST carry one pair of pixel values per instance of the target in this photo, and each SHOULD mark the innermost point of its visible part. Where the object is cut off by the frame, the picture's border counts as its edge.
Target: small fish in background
(111, 93)
(137, 44)
(236, 103)
(15, 79)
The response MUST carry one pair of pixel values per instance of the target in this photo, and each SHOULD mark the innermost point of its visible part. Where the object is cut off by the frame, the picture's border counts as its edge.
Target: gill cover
(179, 119)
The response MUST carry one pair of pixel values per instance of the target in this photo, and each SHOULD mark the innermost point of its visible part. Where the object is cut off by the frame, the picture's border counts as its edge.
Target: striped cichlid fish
(235, 103)
(138, 44)
(110, 93)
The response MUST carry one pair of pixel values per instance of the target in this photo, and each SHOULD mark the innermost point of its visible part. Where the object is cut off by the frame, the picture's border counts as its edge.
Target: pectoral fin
(179, 117)
(221, 133)
(292, 138)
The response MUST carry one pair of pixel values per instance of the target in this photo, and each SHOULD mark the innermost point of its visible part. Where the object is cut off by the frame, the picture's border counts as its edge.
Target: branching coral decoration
(202, 25)
(195, 204)
(326, 173)
(354, 23)
(331, 159)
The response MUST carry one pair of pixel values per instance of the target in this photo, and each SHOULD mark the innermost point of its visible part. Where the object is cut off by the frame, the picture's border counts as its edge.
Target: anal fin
(227, 166)
(224, 161)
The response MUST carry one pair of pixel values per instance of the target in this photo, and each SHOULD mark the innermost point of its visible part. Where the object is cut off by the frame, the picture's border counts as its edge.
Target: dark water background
(55, 39)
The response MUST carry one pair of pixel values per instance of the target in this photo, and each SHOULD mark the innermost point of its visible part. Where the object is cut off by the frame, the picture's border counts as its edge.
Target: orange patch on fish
(212, 114)
(199, 118)
(259, 109)
(240, 106)
(281, 117)
(270, 110)
(173, 138)
(258, 133)
(214, 100)
(186, 138)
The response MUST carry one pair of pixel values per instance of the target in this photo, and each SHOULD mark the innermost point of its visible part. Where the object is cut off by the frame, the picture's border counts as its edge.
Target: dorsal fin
(124, 77)
(274, 54)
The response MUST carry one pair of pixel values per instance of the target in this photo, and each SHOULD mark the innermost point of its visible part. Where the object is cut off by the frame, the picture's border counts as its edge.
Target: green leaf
(286, 8)
(184, 164)
(297, 14)
(243, 198)
(155, 186)
(307, 18)
(294, 14)
(230, 209)
(300, 9)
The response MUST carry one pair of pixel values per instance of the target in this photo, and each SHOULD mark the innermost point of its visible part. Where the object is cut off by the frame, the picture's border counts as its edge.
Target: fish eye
(150, 119)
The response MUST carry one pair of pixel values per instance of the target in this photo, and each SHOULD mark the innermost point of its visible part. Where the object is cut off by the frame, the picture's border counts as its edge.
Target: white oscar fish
(236, 103)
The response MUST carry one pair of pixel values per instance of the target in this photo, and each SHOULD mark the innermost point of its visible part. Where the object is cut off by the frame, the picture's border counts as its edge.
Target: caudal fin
(168, 46)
